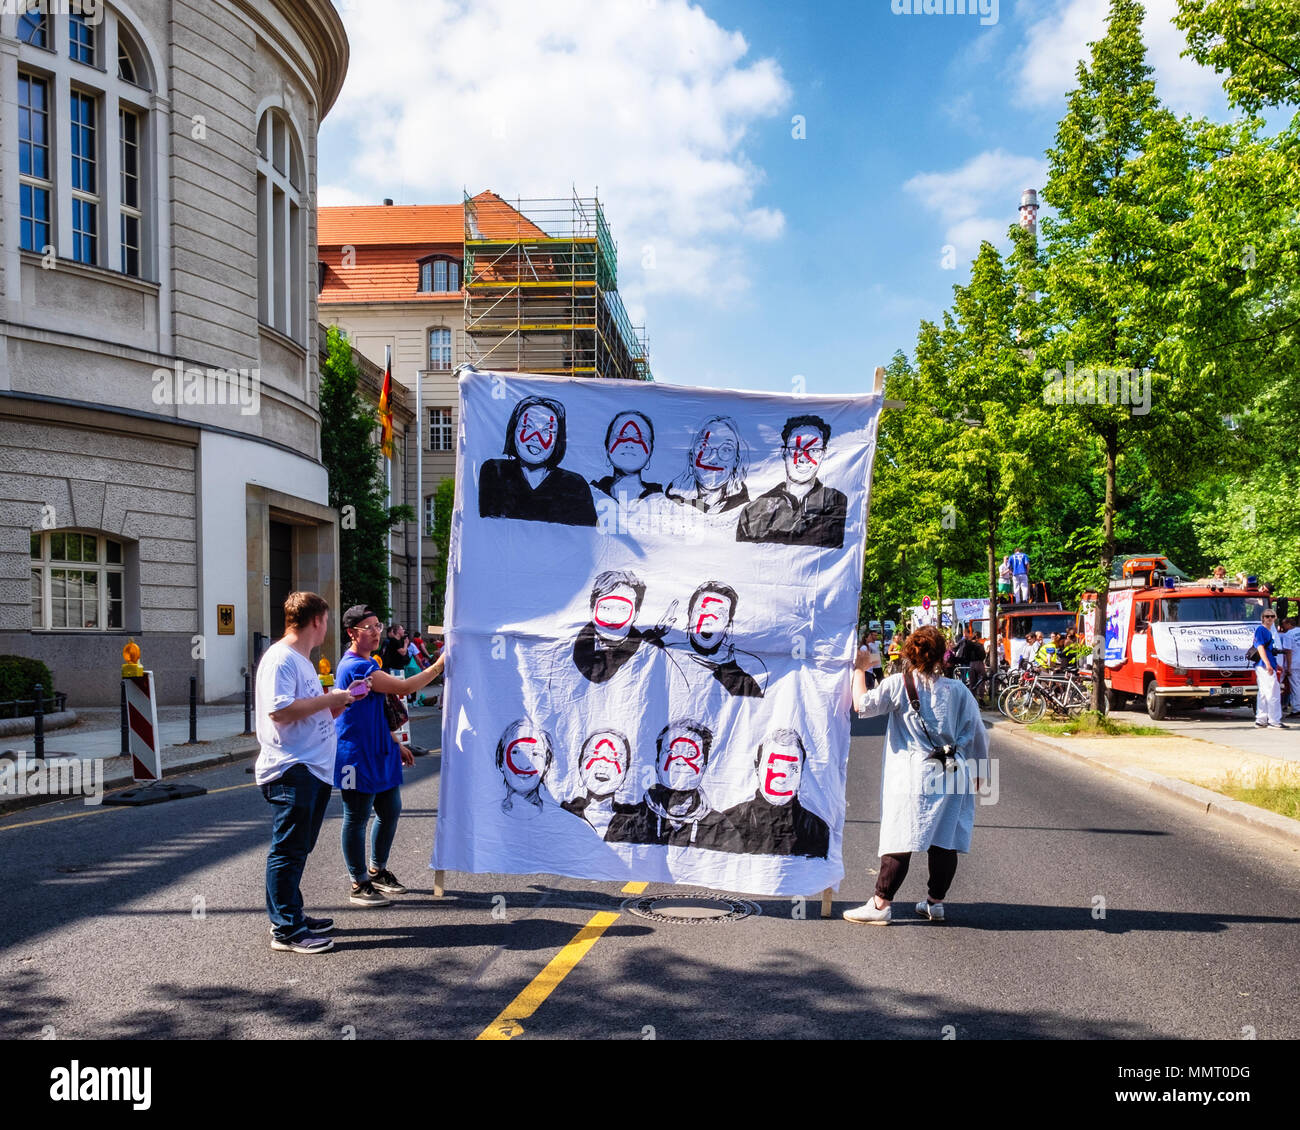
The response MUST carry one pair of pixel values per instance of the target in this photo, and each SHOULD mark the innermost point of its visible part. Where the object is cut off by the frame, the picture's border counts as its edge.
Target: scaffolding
(541, 291)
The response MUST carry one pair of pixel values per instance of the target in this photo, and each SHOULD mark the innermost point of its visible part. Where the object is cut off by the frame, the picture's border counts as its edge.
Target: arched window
(439, 274)
(99, 207)
(282, 300)
(78, 582)
(440, 348)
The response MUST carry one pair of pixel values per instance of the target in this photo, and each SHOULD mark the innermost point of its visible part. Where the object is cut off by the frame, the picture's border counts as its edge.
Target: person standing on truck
(1004, 578)
(1268, 679)
(1019, 563)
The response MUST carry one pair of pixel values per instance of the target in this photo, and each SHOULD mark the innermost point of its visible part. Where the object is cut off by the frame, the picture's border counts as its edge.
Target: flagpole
(388, 485)
(420, 520)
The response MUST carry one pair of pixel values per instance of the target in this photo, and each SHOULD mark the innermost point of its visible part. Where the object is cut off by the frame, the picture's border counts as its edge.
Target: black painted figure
(529, 483)
(773, 821)
(603, 765)
(610, 639)
(802, 510)
(675, 810)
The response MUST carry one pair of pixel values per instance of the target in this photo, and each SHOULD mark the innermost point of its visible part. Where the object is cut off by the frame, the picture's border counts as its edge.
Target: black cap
(358, 612)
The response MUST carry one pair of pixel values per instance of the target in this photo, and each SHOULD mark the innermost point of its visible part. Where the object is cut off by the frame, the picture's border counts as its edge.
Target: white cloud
(1059, 37)
(337, 195)
(650, 102)
(979, 200)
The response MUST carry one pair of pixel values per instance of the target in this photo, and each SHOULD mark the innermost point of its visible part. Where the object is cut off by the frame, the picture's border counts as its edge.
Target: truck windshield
(1205, 609)
(1045, 622)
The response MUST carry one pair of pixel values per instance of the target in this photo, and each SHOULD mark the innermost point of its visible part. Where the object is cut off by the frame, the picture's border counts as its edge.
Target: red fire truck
(1169, 639)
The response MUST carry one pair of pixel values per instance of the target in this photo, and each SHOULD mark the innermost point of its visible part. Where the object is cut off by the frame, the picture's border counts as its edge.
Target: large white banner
(1204, 646)
(653, 597)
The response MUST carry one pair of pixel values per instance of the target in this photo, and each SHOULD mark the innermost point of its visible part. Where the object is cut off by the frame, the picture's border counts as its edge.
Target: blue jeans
(356, 812)
(299, 800)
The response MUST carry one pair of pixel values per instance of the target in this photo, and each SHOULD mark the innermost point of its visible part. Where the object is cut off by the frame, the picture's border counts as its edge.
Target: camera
(945, 753)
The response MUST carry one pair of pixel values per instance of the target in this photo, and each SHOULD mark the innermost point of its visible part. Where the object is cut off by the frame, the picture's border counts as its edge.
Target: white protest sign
(654, 592)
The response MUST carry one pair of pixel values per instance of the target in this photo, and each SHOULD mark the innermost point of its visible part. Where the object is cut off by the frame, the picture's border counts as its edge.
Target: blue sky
(751, 256)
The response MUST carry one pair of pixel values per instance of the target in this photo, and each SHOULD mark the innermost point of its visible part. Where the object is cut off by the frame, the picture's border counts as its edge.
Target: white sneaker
(869, 914)
(931, 910)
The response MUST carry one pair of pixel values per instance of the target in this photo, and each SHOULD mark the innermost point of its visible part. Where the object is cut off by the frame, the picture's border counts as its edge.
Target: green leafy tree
(444, 501)
(357, 490)
(1250, 211)
(1116, 264)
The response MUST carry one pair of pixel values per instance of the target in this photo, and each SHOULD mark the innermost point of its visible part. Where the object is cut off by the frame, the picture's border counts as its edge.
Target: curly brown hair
(924, 650)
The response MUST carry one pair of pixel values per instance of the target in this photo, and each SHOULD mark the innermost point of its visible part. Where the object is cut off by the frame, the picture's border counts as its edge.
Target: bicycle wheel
(1026, 704)
(1006, 694)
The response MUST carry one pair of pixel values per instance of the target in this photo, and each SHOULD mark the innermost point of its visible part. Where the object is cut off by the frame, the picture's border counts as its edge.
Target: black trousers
(893, 870)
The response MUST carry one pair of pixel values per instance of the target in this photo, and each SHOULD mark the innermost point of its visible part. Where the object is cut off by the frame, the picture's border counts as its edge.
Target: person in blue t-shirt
(1268, 682)
(1019, 562)
(368, 765)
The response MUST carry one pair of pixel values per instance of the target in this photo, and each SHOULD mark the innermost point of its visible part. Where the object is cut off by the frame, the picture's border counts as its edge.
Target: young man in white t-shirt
(295, 768)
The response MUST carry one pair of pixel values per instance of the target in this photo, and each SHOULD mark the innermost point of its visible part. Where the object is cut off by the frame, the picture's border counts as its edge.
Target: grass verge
(1093, 725)
(1276, 788)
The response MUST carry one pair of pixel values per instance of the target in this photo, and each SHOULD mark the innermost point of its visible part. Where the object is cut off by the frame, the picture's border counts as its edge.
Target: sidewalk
(219, 732)
(1234, 728)
(90, 738)
(1183, 767)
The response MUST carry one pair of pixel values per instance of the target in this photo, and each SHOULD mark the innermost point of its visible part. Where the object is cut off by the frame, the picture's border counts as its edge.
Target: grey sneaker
(931, 910)
(363, 894)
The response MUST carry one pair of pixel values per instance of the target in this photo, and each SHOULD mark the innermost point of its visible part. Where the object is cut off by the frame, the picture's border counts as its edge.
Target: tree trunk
(994, 647)
(938, 585)
(1111, 437)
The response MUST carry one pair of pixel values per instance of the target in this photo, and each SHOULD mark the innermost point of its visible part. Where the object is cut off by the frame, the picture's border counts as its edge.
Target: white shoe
(931, 910)
(869, 914)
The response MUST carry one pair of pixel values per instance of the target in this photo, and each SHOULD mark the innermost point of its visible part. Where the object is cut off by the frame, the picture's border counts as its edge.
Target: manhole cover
(691, 910)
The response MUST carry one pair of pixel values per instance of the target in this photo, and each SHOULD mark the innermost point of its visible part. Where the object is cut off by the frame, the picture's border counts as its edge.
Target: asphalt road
(150, 923)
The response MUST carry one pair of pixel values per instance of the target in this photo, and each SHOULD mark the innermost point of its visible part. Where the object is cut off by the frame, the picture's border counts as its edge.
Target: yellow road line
(507, 1024)
(55, 819)
(93, 809)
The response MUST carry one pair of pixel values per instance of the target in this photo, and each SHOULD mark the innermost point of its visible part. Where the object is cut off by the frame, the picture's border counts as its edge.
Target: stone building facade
(159, 437)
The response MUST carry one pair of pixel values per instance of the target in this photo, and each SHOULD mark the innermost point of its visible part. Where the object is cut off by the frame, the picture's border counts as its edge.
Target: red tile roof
(388, 241)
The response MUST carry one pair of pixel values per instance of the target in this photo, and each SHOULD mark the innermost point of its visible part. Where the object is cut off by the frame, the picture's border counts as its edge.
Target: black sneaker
(316, 926)
(363, 894)
(303, 943)
(384, 880)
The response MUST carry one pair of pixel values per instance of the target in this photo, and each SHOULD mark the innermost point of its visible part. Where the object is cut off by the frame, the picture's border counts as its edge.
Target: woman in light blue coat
(926, 804)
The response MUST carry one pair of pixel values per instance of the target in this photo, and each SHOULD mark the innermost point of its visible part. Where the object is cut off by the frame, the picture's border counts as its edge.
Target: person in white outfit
(1268, 674)
(925, 804)
(1291, 642)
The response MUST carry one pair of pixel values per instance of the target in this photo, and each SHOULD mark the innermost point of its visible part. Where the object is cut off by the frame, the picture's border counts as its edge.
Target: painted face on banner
(525, 758)
(603, 763)
(780, 771)
(535, 437)
(680, 764)
(715, 456)
(803, 455)
(710, 617)
(629, 443)
(614, 613)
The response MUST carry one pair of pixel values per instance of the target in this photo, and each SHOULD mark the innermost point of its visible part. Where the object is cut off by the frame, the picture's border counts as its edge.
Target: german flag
(385, 405)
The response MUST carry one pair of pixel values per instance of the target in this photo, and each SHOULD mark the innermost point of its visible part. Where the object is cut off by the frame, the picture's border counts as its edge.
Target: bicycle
(1064, 694)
